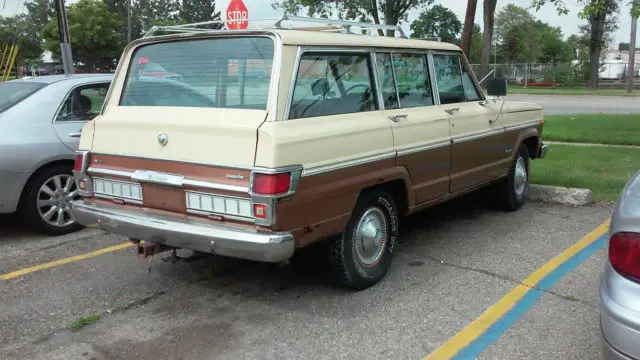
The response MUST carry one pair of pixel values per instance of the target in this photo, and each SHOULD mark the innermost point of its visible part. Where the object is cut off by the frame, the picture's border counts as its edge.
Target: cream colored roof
(322, 38)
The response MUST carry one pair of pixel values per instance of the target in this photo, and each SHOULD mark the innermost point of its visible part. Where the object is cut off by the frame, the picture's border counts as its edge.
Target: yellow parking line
(31, 269)
(476, 328)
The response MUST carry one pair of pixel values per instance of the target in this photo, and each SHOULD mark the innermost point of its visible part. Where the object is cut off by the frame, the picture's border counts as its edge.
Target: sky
(568, 23)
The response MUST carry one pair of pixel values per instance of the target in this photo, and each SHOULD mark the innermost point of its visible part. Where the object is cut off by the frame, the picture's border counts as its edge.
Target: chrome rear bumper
(201, 236)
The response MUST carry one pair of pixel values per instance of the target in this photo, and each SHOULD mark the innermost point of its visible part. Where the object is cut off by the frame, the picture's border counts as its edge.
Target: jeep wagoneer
(269, 140)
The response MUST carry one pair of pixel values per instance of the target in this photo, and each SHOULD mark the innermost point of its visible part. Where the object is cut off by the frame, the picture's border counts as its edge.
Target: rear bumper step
(200, 236)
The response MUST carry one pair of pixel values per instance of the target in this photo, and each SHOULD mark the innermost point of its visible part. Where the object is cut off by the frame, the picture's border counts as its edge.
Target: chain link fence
(576, 73)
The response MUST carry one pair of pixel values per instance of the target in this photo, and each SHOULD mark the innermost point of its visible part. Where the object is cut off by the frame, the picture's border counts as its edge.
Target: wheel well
(398, 190)
(532, 146)
(27, 184)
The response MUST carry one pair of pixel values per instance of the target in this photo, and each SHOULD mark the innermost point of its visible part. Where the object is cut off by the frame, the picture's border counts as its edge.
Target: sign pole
(63, 31)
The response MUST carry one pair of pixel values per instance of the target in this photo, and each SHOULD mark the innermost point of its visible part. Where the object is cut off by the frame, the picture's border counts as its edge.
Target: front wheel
(361, 256)
(512, 191)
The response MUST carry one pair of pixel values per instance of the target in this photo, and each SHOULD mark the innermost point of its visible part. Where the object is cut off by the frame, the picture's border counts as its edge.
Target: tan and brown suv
(267, 141)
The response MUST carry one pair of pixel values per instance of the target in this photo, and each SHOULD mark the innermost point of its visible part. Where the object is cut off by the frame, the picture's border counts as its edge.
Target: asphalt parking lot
(454, 264)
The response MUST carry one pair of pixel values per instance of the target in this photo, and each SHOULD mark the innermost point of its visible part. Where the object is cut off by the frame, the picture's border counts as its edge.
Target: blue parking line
(495, 331)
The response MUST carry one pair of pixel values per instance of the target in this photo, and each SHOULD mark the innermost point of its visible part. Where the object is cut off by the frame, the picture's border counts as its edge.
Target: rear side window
(333, 84)
(215, 72)
(13, 92)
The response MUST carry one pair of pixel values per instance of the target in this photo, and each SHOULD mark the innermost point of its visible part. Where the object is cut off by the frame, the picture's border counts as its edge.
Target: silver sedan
(41, 120)
(620, 283)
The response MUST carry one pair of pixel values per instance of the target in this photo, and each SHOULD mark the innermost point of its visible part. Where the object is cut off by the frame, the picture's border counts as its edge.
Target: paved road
(564, 105)
(454, 262)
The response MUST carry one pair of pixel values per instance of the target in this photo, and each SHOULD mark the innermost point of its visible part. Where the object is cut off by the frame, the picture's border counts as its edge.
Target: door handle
(452, 111)
(75, 135)
(396, 118)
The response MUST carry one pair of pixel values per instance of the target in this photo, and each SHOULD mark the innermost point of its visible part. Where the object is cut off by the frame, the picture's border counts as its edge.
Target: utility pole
(63, 31)
(632, 55)
(128, 21)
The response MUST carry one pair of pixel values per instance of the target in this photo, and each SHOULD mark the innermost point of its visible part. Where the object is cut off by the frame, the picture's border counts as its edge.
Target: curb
(560, 195)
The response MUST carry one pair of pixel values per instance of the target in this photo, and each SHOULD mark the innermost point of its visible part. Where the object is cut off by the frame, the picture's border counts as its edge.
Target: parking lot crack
(512, 280)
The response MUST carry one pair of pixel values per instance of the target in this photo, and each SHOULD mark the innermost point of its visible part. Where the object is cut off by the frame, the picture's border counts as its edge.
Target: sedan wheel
(46, 205)
(54, 200)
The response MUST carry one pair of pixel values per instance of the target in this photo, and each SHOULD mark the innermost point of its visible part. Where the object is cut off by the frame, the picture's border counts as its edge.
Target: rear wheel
(512, 191)
(47, 202)
(361, 256)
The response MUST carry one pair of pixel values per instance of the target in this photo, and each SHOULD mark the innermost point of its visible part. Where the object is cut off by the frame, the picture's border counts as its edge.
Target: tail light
(271, 184)
(77, 164)
(624, 254)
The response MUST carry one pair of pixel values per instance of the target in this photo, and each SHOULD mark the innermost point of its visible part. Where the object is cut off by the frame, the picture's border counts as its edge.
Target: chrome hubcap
(54, 200)
(371, 237)
(520, 178)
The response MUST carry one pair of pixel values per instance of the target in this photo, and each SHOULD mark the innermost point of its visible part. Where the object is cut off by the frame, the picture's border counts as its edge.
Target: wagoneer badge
(163, 139)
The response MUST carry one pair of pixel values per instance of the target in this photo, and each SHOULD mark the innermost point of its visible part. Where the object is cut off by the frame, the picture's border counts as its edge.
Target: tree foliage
(17, 30)
(94, 33)
(193, 11)
(437, 21)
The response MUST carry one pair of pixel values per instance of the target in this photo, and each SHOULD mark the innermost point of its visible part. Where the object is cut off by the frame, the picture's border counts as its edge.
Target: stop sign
(237, 15)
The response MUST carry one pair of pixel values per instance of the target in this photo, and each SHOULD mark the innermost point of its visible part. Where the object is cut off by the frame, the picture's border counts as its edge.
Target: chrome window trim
(424, 147)
(395, 81)
(356, 160)
(476, 135)
(292, 84)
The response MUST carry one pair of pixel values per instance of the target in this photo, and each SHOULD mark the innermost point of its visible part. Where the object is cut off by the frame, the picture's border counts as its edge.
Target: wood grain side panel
(323, 203)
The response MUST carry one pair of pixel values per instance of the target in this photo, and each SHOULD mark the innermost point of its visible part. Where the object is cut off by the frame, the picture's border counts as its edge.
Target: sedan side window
(83, 103)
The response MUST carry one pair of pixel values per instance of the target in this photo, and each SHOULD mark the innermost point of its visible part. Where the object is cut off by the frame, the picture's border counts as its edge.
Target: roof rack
(344, 26)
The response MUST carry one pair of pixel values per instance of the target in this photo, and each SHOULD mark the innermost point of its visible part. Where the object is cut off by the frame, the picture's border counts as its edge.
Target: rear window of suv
(215, 72)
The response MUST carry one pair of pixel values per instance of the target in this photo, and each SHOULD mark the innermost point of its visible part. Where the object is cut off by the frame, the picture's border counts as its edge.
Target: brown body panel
(323, 202)
(429, 170)
(477, 161)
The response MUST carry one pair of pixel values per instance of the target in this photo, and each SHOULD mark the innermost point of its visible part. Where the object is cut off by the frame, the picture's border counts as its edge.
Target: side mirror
(497, 86)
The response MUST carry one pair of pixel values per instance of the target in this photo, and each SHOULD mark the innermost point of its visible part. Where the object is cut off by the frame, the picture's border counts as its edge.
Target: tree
(40, 13)
(388, 12)
(598, 14)
(120, 7)
(624, 46)
(437, 21)
(509, 17)
(469, 27)
(17, 30)
(489, 13)
(94, 33)
(157, 12)
(193, 11)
